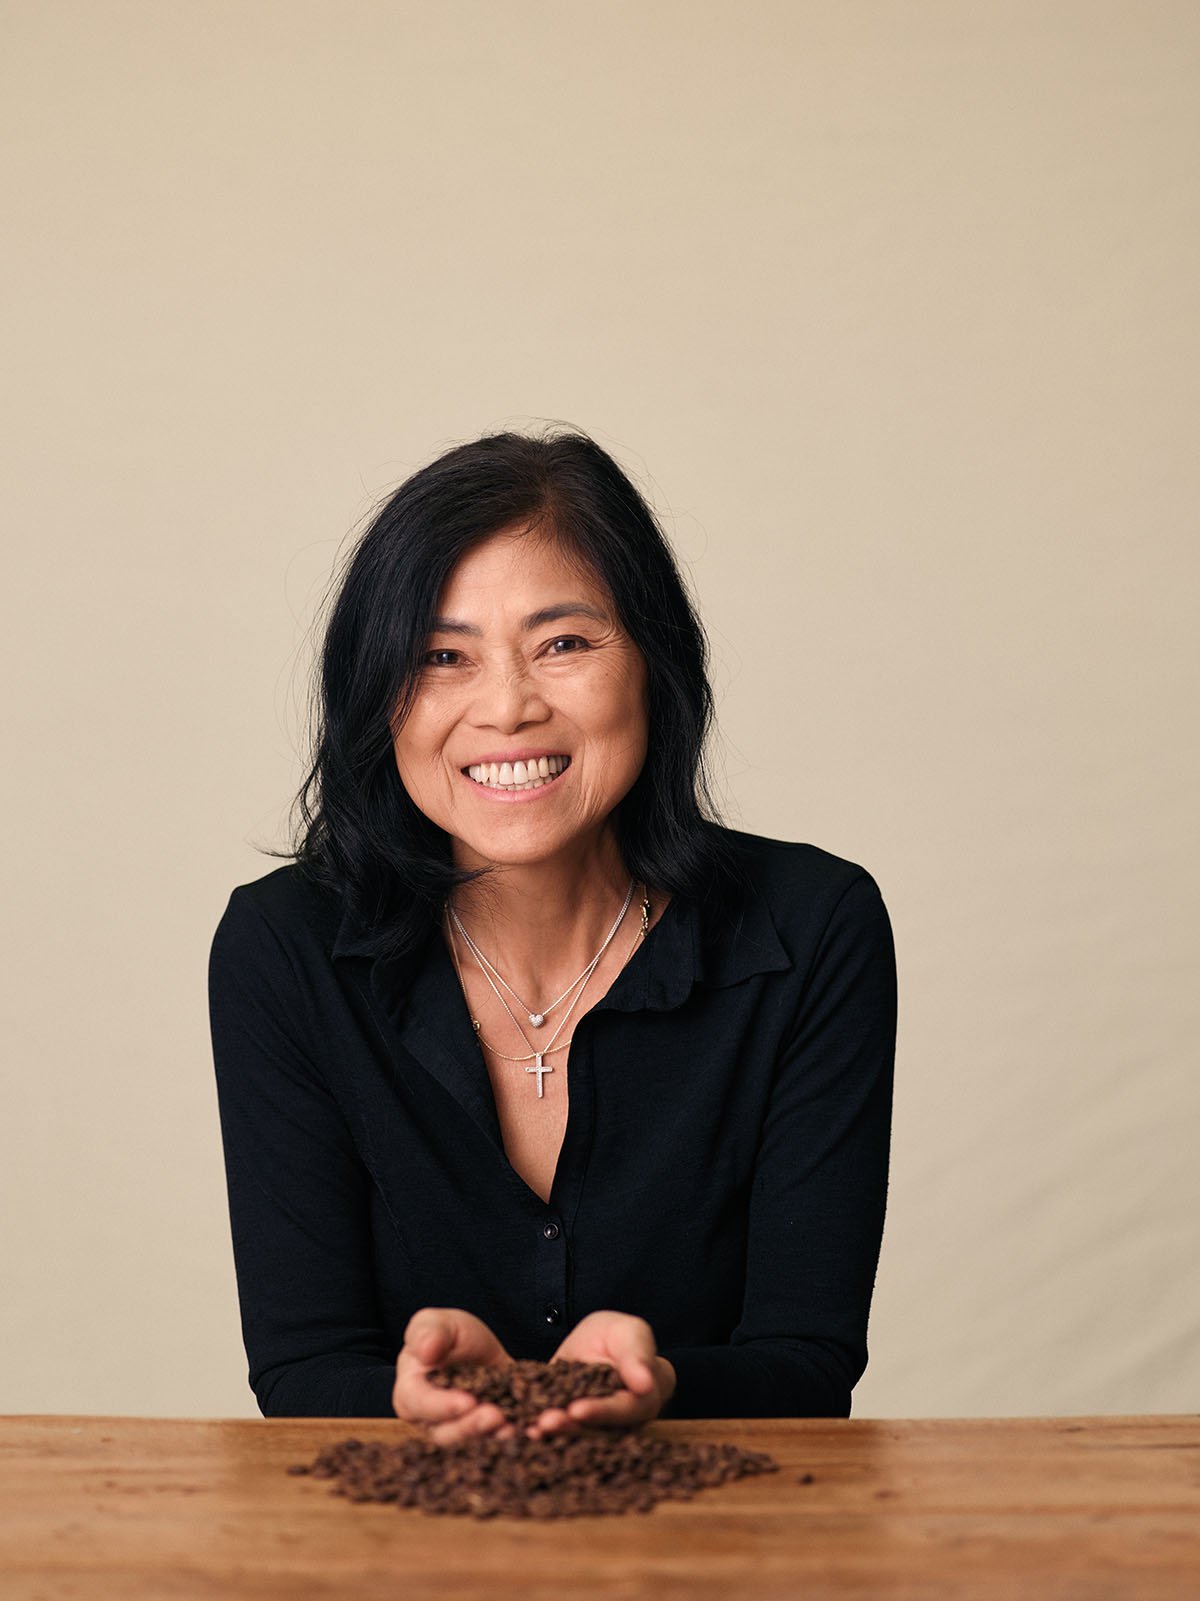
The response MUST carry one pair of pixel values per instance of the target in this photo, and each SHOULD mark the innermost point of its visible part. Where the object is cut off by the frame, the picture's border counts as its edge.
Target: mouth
(533, 773)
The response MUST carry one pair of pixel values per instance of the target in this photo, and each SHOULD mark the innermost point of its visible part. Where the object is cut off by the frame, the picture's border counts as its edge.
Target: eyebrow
(536, 619)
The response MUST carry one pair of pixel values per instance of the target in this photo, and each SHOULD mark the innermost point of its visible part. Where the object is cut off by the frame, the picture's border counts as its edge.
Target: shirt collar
(392, 977)
(353, 938)
(688, 947)
(685, 948)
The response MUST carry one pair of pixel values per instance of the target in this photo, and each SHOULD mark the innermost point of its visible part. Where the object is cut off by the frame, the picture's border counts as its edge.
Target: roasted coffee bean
(561, 1476)
(522, 1390)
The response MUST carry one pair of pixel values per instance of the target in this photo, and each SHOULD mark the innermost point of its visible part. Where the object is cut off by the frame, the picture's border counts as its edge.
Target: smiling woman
(517, 690)
(525, 1056)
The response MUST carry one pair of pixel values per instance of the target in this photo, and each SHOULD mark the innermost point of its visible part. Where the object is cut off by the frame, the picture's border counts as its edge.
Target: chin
(501, 856)
(516, 848)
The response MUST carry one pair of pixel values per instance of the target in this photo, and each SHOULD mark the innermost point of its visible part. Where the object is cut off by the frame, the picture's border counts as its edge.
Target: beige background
(893, 309)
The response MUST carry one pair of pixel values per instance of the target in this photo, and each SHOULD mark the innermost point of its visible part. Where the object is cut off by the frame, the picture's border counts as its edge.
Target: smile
(531, 774)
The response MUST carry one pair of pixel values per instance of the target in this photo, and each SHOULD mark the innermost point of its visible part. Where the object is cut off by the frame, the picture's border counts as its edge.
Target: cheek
(628, 740)
(419, 742)
(404, 747)
(417, 771)
(637, 720)
(626, 735)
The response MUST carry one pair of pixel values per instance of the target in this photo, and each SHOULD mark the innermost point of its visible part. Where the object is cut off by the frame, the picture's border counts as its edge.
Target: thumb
(633, 1352)
(429, 1337)
(636, 1374)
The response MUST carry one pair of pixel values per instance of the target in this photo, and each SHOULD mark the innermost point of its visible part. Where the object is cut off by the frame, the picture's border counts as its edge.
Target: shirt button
(550, 1231)
(551, 1313)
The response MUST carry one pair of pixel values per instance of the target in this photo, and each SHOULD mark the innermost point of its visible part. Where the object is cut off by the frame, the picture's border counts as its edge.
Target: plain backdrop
(891, 308)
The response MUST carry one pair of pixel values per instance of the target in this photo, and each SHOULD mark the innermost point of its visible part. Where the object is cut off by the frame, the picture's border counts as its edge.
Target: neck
(541, 923)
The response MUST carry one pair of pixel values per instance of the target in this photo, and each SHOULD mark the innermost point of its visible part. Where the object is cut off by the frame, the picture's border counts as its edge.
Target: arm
(298, 1194)
(819, 1190)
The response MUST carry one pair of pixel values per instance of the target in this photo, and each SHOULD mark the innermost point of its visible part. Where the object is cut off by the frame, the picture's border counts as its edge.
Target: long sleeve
(819, 1190)
(298, 1191)
(723, 1171)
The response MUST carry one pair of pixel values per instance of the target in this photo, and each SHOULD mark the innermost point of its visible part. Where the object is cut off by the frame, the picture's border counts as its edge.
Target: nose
(507, 700)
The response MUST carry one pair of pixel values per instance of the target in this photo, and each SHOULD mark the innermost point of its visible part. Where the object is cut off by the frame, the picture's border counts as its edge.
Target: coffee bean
(522, 1390)
(560, 1476)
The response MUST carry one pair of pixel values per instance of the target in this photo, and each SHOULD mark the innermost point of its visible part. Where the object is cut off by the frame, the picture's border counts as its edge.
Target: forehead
(519, 570)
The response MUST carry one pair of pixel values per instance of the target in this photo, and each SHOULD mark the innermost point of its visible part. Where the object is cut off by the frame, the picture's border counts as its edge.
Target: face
(529, 723)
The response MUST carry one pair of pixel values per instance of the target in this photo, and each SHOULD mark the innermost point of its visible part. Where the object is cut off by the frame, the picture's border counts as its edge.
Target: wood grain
(1085, 1509)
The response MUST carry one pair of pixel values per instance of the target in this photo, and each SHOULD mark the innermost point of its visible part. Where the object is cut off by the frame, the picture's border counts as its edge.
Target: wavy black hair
(357, 830)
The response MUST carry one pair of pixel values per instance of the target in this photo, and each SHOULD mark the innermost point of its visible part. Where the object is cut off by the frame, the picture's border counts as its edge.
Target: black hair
(358, 831)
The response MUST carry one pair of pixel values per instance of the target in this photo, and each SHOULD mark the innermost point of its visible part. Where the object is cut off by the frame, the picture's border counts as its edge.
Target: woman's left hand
(627, 1343)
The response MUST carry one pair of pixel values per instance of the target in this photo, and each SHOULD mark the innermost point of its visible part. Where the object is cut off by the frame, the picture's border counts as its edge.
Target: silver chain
(490, 972)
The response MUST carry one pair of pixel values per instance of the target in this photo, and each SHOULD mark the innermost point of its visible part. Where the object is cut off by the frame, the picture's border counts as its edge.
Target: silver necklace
(537, 1056)
(536, 1018)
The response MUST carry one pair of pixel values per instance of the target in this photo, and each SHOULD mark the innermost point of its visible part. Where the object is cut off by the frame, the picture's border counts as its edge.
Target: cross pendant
(539, 1067)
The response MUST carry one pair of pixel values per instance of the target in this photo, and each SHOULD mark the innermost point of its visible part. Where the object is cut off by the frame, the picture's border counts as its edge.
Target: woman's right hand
(435, 1336)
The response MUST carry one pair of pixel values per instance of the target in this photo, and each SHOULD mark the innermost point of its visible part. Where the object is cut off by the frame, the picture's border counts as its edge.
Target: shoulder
(286, 908)
(790, 876)
(792, 900)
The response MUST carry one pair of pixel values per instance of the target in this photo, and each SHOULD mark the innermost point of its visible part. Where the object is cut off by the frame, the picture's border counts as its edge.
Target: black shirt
(723, 1171)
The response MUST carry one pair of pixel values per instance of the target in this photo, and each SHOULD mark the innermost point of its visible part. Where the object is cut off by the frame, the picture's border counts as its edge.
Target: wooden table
(1037, 1509)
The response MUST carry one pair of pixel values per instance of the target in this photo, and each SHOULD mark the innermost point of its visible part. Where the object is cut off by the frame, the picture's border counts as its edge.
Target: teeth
(519, 775)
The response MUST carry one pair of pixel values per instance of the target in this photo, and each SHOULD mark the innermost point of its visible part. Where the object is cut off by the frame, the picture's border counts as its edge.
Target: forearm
(765, 1378)
(338, 1385)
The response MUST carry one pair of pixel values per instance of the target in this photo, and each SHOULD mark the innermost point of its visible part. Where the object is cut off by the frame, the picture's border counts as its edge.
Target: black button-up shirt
(723, 1171)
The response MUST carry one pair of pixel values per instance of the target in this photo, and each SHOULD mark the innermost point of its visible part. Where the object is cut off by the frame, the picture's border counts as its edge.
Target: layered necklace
(537, 1054)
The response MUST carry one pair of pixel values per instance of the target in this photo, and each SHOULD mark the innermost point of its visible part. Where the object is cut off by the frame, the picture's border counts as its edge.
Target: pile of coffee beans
(523, 1390)
(561, 1476)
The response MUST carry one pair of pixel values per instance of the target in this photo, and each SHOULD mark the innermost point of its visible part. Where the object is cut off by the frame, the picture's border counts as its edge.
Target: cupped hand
(435, 1336)
(628, 1344)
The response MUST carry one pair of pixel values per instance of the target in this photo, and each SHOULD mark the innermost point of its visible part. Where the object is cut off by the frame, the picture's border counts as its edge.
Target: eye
(440, 658)
(567, 644)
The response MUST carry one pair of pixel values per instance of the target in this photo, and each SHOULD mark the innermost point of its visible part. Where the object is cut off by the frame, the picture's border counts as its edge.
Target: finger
(414, 1398)
(432, 1405)
(454, 1335)
(485, 1419)
(554, 1420)
(429, 1336)
(611, 1411)
(636, 1374)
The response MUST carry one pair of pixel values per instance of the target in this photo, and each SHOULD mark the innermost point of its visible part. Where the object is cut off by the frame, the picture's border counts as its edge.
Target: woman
(523, 1056)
